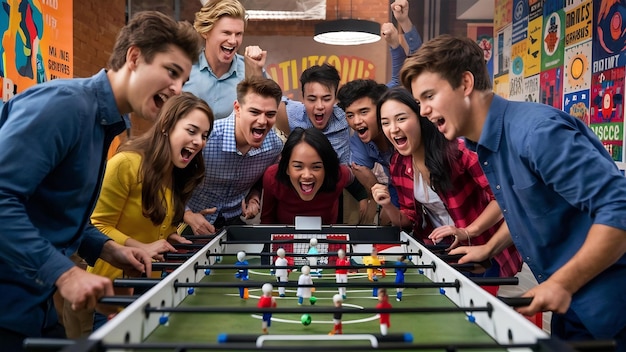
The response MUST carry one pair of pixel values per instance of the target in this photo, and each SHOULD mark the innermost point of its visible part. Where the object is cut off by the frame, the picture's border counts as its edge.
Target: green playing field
(427, 328)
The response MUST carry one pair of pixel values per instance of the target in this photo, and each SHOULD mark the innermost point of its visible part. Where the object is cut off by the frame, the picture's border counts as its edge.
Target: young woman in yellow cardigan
(149, 180)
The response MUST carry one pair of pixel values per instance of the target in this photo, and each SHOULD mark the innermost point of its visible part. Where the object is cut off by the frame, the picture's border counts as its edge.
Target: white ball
(241, 256)
(267, 288)
(337, 298)
(313, 242)
(281, 252)
(306, 270)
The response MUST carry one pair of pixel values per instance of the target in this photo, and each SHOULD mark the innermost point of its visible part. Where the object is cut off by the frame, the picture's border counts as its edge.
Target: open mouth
(307, 187)
(400, 141)
(361, 131)
(160, 99)
(258, 132)
(319, 118)
(440, 121)
(228, 50)
(186, 153)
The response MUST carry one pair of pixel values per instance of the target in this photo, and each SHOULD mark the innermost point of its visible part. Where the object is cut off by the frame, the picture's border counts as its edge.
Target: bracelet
(469, 242)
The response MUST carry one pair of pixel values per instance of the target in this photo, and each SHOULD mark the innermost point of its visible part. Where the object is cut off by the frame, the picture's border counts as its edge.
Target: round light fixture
(347, 32)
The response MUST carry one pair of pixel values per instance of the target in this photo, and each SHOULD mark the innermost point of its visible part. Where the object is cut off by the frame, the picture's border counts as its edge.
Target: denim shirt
(53, 141)
(219, 92)
(553, 179)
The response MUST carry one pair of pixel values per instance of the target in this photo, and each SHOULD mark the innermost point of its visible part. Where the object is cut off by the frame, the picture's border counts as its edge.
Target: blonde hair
(213, 10)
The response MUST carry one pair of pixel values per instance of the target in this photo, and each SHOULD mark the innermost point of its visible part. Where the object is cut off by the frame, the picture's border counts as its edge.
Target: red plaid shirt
(467, 199)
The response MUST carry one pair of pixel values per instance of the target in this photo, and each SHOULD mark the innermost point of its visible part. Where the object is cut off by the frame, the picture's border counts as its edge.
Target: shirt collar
(203, 63)
(491, 135)
(108, 112)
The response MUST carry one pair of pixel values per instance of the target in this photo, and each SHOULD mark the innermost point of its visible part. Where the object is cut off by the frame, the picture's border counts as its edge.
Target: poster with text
(502, 60)
(516, 76)
(607, 109)
(577, 105)
(531, 89)
(520, 21)
(502, 14)
(533, 58)
(609, 35)
(578, 24)
(37, 43)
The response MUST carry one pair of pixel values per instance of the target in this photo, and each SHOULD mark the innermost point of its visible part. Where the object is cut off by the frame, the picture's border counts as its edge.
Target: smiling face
(318, 102)
(188, 137)
(443, 105)
(401, 126)
(223, 41)
(361, 116)
(306, 171)
(254, 118)
(151, 84)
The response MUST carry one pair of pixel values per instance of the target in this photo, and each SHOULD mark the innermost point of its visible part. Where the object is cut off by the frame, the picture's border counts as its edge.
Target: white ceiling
(475, 9)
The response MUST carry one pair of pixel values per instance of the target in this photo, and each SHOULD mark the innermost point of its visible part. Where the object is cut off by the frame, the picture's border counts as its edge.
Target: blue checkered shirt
(337, 131)
(229, 174)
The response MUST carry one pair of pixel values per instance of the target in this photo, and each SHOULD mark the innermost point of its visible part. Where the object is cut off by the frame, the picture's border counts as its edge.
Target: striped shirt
(467, 199)
(229, 174)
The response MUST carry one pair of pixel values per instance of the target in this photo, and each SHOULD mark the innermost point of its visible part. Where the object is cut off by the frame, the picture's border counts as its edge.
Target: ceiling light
(347, 32)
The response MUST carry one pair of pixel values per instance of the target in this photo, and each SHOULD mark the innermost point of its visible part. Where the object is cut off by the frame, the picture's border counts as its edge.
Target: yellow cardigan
(118, 213)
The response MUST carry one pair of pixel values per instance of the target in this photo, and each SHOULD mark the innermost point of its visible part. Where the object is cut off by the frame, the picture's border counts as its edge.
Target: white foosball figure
(313, 260)
(305, 279)
(282, 275)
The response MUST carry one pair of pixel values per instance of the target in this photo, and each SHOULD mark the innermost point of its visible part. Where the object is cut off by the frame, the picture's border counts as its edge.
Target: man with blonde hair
(219, 69)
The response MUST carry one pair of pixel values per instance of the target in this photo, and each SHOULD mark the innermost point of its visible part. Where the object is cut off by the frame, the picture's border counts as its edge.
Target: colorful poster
(578, 24)
(551, 87)
(552, 39)
(577, 73)
(501, 85)
(520, 21)
(502, 61)
(609, 35)
(577, 105)
(533, 59)
(535, 9)
(607, 109)
(516, 77)
(531, 89)
(482, 33)
(502, 14)
(37, 43)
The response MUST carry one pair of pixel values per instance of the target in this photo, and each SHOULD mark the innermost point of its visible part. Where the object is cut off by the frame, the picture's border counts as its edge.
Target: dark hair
(440, 153)
(153, 32)
(357, 89)
(318, 140)
(265, 87)
(325, 74)
(449, 57)
(154, 147)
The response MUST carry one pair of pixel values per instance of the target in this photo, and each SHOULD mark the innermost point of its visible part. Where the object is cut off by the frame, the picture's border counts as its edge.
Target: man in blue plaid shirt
(236, 155)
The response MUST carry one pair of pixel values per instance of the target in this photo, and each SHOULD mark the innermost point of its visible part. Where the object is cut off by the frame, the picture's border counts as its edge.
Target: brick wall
(96, 24)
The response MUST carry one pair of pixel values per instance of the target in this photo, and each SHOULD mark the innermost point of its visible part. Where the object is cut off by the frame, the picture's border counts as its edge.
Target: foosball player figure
(266, 301)
(341, 274)
(401, 267)
(374, 260)
(242, 274)
(305, 292)
(337, 328)
(383, 303)
(313, 260)
(282, 274)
